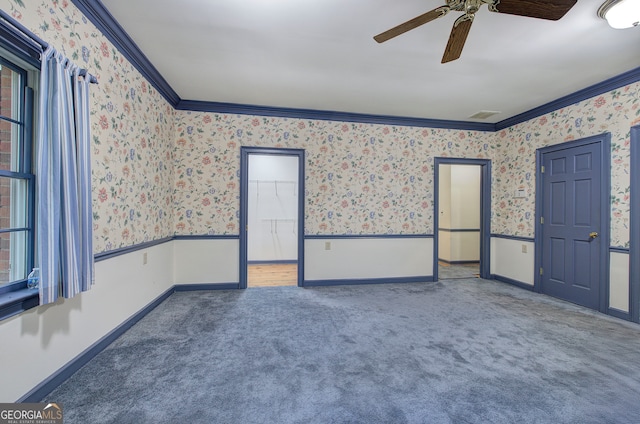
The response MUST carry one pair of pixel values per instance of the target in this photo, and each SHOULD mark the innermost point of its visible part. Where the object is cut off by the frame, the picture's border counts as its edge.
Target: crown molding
(327, 115)
(618, 81)
(96, 12)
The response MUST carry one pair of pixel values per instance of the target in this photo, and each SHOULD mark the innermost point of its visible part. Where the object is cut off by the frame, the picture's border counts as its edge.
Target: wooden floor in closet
(266, 275)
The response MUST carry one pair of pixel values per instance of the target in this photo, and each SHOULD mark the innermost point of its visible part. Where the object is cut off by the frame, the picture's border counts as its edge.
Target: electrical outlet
(524, 248)
(327, 245)
(144, 258)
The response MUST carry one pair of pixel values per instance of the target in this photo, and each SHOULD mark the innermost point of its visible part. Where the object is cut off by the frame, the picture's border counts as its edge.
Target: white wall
(459, 208)
(206, 261)
(272, 208)
(216, 261)
(368, 258)
(465, 246)
(509, 260)
(44, 339)
(619, 281)
(444, 196)
(444, 246)
(465, 196)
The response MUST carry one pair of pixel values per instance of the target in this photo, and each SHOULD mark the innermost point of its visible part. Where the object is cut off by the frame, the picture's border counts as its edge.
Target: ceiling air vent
(483, 114)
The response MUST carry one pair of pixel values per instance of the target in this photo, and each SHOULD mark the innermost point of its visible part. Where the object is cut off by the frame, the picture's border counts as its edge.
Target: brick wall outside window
(5, 163)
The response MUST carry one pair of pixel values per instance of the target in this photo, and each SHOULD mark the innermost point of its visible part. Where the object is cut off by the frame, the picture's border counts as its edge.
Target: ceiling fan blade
(457, 38)
(413, 23)
(543, 9)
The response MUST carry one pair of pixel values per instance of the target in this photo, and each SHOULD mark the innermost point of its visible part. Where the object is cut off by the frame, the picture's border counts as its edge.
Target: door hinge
(542, 169)
(542, 219)
(541, 271)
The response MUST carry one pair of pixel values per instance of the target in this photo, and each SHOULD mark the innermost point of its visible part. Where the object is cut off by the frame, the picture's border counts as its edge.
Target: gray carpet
(455, 271)
(462, 351)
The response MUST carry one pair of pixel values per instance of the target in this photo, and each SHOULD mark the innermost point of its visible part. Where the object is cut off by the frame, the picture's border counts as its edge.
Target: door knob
(593, 235)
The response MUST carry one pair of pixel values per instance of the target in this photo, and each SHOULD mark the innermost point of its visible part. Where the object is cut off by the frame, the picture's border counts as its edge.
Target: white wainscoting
(42, 340)
(508, 259)
(619, 281)
(46, 338)
(459, 246)
(206, 261)
(367, 258)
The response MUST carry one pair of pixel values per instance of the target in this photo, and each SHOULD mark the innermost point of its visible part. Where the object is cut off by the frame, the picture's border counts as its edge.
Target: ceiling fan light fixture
(620, 14)
(541, 9)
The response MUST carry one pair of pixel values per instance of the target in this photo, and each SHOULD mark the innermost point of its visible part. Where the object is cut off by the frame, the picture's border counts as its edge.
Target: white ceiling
(320, 54)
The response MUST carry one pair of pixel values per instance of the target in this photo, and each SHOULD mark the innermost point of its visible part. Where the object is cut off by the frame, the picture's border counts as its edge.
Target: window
(16, 179)
(19, 72)
(65, 242)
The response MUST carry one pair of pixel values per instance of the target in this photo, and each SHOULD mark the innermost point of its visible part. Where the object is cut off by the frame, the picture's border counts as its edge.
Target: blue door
(571, 224)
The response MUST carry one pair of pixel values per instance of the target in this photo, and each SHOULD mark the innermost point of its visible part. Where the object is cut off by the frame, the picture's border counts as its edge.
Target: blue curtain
(65, 237)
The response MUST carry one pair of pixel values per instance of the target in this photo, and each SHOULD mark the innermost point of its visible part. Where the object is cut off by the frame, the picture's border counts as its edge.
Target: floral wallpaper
(615, 112)
(158, 171)
(360, 178)
(377, 179)
(132, 128)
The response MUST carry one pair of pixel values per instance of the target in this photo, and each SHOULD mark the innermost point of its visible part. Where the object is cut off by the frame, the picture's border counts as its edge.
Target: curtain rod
(36, 41)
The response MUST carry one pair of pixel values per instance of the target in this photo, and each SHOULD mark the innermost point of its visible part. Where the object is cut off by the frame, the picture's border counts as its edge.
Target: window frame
(15, 297)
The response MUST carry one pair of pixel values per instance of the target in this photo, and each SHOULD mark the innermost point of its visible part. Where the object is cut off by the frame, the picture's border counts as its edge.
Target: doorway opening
(462, 218)
(271, 217)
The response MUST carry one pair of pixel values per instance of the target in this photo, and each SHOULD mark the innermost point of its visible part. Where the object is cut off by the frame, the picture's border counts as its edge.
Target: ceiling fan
(543, 9)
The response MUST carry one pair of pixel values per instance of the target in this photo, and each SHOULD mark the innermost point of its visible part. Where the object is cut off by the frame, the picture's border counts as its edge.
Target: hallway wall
(459, 209)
